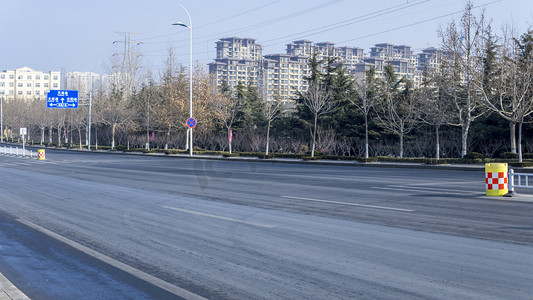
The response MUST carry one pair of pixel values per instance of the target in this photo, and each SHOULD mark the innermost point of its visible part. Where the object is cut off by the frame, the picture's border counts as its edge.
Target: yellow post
(42, 155)
(496, 179)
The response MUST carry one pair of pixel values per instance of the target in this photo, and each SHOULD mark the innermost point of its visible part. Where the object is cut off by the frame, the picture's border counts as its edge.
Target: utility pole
(129, 66)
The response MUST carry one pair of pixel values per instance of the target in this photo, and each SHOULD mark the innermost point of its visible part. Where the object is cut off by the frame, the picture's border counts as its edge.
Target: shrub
(433, 161)
(474, 156)
(509, 155)
(527, 156)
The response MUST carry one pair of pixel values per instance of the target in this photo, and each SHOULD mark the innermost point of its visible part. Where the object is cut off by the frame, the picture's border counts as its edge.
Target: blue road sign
(191, 122)
(62, 99)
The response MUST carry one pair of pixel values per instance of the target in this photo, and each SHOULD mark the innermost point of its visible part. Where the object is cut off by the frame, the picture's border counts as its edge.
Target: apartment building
(277, 76)
(238, 60)
(83, 82)
(280, 76)
(429, 59)
(285, 76)
(26, 83)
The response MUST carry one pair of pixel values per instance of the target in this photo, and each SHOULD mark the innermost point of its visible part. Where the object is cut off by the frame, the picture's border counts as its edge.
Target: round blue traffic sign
(191, 122)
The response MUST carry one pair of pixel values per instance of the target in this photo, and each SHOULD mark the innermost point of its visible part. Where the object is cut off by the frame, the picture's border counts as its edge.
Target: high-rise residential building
(400, 58)
(238, 60)
(26, 83)
(429, 59)
(83, 82)
(277, 76)
(281, 76)
(285, 76)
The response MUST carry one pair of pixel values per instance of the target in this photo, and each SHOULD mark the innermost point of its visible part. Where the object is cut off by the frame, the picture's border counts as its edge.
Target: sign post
(191, 123)
(23, 132)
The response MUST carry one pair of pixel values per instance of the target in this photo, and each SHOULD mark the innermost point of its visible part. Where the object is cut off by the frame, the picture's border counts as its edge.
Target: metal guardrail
(523, 180)
(16, 151)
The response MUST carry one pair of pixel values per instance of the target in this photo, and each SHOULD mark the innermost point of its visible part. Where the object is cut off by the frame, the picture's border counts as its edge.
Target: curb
(9, 291)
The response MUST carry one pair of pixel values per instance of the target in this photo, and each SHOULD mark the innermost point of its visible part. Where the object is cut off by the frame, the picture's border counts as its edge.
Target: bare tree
(463, 43)
(226, 108)
(116, 114)
(397, 111)
(271, 110)
(319, 102)
(366, 99)
(507, 83)
(435, 109)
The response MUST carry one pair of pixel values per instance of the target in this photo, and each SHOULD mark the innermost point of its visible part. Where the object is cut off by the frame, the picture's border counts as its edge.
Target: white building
(83, 82)
(26, 83)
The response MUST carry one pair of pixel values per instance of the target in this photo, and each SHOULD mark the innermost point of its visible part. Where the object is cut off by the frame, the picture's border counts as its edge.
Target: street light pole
(190, 71)
(89, 123)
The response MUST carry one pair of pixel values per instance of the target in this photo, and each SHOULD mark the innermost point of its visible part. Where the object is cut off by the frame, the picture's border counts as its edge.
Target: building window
(37, 85)
(20, 77)
(11, 76)
(20, 93)
(28, 77)
(3, 76)
(38, 77)
(46, 85)
(19, 84)
(55, 77)
(2, 84)
(46, 77)
(55, 85)
(28, 93)
(28, 85)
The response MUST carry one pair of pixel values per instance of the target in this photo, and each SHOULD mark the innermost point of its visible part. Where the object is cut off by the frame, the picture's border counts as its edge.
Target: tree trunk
(168, 137)
(113, 128)
(79, 134)
(366, 135)
(314, 137)
(268, 138)
(401, 144)
(229, 139)
(437, 143)
(512, 134)
(42, 136)
(50, 129)
(520, 141)
(464, 138)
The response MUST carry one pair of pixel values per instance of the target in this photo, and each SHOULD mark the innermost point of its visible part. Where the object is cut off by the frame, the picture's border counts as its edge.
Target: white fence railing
(16, 151)
(523, 180)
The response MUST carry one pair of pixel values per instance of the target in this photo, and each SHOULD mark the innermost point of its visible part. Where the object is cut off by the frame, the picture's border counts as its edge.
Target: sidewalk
(9, 291)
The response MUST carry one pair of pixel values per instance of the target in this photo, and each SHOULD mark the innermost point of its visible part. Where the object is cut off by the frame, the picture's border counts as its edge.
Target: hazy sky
(80, 35)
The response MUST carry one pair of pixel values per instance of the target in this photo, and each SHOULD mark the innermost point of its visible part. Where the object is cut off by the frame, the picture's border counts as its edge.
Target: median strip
(349, 204)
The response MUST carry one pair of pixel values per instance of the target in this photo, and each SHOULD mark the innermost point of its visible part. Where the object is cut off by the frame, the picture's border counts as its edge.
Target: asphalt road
(253, 230)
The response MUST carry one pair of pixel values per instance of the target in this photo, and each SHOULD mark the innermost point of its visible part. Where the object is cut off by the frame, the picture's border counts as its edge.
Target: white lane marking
(117, 264)
(349, 204)
(192, 212)
(422, 189)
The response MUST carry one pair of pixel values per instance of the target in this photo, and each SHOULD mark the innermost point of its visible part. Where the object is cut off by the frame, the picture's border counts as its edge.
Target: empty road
(160, 227)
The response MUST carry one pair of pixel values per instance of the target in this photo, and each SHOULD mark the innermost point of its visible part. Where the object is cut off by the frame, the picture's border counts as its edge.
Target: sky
(89, 36)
